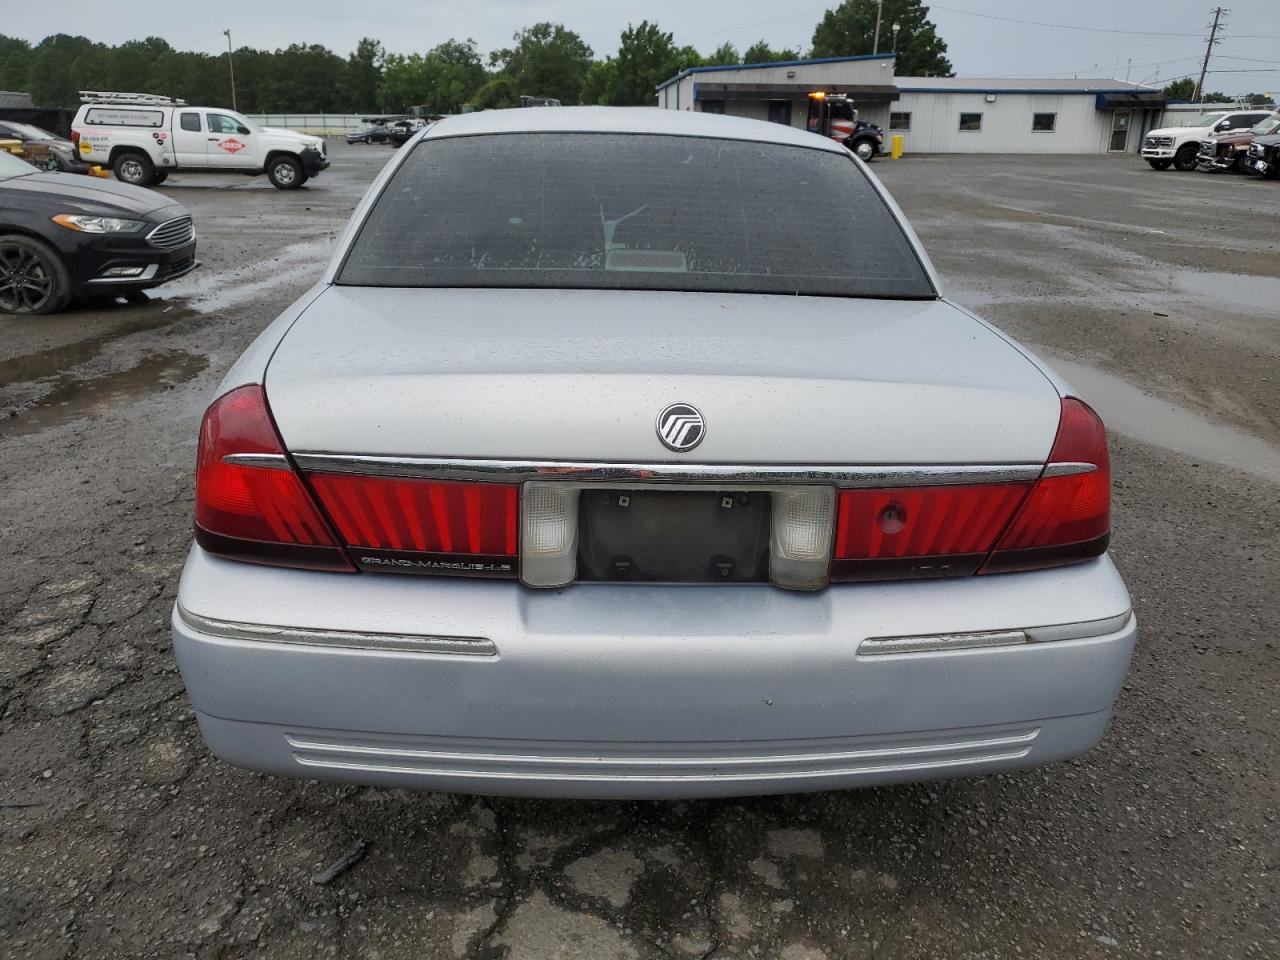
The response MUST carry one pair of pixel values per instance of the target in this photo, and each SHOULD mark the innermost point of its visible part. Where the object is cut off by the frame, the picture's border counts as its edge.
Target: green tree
(497, 94)
(646, 57)
(726, 55)
(1183, 89)
(547, 60)
(1259, 99)
(761, 52)
(364, 73)
(849, 30)
(598, 87)
(443, 80)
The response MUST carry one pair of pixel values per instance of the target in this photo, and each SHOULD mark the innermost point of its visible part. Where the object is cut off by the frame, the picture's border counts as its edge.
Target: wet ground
(1155, 293)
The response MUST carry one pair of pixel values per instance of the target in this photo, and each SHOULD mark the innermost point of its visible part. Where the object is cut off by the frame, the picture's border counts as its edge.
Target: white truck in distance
(1178, 147)
(143, 138)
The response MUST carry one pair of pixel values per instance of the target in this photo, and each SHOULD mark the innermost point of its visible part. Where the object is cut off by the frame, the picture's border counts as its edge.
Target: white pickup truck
(1178, 147)
(143, 138)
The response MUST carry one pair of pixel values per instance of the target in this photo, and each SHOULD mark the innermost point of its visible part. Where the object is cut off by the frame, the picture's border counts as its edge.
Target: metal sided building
(933, 114)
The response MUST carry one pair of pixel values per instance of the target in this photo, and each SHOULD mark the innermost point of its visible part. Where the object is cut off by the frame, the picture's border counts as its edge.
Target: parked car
(143, 138)
(369, 133)
(1230, 150)
(584, 471)
(1264, 156)
(43, 149)
(402, 130)
(1179, 147)
(63, 236)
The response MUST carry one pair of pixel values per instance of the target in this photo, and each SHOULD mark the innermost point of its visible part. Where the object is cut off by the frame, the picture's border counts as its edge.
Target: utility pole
(1204, 68)
(232, 67)
(875, 45)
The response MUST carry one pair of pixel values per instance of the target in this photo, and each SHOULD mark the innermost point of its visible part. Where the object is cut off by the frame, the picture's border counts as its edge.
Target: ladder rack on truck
(133, 99)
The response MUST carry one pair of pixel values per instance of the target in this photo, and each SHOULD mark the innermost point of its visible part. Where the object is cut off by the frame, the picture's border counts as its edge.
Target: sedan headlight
(87, 224)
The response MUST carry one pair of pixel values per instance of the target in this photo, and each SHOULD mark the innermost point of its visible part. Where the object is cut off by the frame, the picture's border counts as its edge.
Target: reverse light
(800, 545)
(87, 224)
(250, 505)
(549, 544)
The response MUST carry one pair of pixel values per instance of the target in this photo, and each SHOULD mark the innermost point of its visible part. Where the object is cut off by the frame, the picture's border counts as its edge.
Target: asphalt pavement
(1156, 294)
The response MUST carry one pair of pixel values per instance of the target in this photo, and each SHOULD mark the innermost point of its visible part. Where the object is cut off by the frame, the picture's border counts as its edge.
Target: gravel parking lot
(1158, 294)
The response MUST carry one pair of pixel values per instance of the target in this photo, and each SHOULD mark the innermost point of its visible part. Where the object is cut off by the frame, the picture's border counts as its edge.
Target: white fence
(317, 124)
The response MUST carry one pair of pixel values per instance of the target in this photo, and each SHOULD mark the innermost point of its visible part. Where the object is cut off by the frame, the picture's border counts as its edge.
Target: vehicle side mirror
(242, 130)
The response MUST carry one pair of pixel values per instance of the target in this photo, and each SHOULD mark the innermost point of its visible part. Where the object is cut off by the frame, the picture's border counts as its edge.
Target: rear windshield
(596, 210)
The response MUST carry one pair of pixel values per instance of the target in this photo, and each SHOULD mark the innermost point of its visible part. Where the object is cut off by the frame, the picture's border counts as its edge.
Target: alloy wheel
(25, 283)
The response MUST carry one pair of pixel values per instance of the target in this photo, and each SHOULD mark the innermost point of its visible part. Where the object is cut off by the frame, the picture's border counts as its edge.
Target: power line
(1060, 26)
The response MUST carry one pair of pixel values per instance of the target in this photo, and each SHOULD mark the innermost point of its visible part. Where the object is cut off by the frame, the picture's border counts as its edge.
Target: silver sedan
(638, 454)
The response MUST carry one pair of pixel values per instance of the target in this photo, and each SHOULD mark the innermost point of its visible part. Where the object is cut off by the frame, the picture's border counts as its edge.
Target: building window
(970, 122)
(713, 106)
(780, 112)
(1044, 122)
(899, 121)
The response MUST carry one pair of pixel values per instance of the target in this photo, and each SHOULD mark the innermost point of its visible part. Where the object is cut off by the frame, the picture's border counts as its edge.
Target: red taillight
(260, 511)
(1067, 517)
(920, 531)
(1062, 517)
(421, 516)
(75, 137)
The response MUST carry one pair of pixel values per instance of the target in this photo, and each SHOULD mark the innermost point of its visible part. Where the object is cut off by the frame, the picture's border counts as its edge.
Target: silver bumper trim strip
(947, 642)
(352, 640)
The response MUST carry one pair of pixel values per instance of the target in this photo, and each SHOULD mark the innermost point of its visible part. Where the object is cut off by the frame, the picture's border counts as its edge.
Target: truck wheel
(864, 150)
(134, 168)
(1161, 164)
(284, 172)
(33, 278)
(1185, 158)
(160, 177)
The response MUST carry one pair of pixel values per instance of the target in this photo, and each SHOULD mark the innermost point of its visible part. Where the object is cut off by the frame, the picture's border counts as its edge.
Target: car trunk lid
(581, 375)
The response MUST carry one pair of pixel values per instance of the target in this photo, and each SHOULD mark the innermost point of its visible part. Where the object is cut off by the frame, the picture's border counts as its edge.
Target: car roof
(638, 120)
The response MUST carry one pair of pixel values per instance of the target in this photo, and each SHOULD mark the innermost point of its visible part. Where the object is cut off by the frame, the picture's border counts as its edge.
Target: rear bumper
(645, 691)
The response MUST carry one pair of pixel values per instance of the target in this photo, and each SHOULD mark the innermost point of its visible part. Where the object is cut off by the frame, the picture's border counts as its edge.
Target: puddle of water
(71, 398)
(1126, 409)
(56, 360)
(1236, 289)
(208, 291)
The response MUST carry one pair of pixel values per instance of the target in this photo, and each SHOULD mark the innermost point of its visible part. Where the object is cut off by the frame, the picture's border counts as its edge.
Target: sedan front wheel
(33, 279)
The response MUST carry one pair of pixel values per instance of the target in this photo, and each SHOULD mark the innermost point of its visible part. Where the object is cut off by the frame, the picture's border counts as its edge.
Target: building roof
(15, 100)
(1016, 85)
(776, 63)
(645, 120)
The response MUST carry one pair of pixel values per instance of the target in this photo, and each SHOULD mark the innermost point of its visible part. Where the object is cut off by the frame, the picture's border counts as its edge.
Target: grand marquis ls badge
(681, 427)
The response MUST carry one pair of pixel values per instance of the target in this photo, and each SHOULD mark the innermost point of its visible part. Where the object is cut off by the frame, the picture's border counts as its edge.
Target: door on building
(1120, 131)
(780, 112)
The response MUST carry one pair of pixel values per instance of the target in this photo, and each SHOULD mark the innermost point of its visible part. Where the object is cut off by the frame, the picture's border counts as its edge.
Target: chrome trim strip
(514, 471)
(349, 639)
(1080, 631)
(310, 745)
(269, 461)
(616, 776)
(1069, 469)
(946, 642)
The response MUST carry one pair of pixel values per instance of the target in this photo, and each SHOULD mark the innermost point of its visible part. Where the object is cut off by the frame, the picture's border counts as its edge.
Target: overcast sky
(979, 46)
